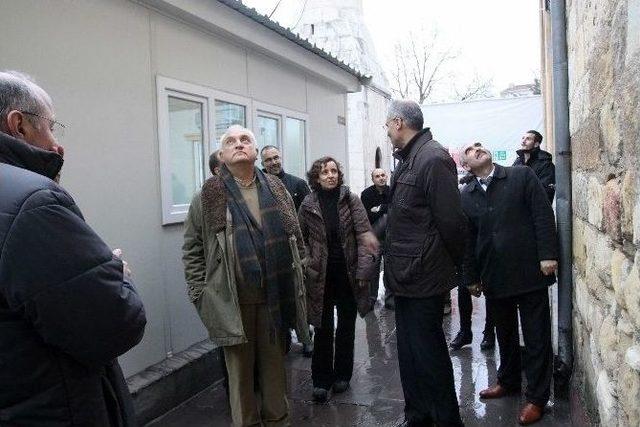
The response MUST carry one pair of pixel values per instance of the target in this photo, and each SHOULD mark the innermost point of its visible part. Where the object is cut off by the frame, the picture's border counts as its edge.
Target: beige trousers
(267, 405)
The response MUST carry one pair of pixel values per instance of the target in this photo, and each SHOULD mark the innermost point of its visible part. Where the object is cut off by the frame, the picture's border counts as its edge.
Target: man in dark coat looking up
(375, 200)
(424, 247)
(539, 160)
(67, 305)
(272, 163)
(511, 257)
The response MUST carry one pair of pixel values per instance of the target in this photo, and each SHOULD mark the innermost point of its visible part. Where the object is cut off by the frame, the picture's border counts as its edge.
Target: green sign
(500, 155)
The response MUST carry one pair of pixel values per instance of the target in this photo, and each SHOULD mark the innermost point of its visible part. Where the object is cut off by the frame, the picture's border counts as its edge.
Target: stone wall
(604, 93)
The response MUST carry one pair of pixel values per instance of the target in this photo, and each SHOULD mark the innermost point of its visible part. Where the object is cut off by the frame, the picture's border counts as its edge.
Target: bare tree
(419, 64)
(478, 87)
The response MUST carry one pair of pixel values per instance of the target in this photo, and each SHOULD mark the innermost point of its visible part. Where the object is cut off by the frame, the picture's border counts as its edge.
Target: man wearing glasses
(67, 305)
(424, 246)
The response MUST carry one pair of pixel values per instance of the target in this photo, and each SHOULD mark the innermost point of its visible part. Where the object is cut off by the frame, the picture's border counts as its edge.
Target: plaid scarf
(263, 253)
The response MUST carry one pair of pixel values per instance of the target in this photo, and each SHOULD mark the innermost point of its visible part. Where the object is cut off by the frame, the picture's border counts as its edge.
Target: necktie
(486, 181)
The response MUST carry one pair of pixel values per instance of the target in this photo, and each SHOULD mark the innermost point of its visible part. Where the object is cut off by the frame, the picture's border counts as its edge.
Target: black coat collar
(500, 172)
(424, 136)
(20, 154)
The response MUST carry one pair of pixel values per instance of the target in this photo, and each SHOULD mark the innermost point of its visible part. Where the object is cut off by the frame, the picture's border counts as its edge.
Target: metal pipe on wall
(564, 361)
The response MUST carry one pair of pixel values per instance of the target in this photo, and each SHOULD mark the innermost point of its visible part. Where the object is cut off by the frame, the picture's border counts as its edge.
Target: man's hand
(548, 267)
(371, 243)
(475, 289)
(375, 209)
(126, 271)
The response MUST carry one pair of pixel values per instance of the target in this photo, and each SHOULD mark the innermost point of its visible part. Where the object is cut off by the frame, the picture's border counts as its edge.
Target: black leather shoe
(462, 339)
(340, 386)
(488, 342)
(320, 395)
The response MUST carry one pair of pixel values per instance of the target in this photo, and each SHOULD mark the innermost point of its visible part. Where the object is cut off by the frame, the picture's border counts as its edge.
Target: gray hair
(18, 91)
(237, 128)
(268, 147)
(408, 111)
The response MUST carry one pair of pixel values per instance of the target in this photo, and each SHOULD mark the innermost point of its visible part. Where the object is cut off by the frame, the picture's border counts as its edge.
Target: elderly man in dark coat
(424, 247)
(511, 257)
(67, 305)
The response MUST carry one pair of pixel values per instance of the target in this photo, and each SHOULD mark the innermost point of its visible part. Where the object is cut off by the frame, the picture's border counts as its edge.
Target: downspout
(564, 361)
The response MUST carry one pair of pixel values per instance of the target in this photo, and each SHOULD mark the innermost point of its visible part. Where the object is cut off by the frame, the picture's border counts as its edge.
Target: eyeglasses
(56, 128)
(386, 125)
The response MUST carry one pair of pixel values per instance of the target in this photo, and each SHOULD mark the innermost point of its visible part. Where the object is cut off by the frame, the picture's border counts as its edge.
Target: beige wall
(99, 61)
(603, 41)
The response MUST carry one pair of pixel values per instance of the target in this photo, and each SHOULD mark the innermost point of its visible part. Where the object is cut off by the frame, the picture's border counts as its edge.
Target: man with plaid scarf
(242, 255)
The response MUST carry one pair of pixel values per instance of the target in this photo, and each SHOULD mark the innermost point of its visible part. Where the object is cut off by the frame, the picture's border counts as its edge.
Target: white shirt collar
(488, 176)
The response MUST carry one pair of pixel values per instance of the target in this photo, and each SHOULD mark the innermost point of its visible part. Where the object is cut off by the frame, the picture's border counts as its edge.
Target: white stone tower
(338, 27)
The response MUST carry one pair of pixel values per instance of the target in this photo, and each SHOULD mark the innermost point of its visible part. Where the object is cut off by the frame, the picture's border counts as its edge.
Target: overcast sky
(497, 39)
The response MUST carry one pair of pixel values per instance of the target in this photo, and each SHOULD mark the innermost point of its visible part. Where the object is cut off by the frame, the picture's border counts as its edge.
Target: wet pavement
(375, 396)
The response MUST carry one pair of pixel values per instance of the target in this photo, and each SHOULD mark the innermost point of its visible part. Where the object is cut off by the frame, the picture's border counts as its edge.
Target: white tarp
(498, 123)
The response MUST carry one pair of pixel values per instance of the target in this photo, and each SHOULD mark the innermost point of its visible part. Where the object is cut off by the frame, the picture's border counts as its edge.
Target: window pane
(268, 130)
(294, 143)
(185, 136)
(228, 114)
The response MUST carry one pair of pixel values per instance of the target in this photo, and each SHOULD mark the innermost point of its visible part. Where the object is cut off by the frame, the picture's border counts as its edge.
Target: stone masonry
(604, 93)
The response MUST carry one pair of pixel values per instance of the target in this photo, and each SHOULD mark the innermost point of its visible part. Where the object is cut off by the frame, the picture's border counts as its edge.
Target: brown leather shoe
(530, 414)
(496, 392)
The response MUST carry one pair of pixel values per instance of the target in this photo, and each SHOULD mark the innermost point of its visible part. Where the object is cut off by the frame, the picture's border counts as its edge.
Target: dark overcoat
(66, 311)
(542, 164)
(512, 229)
(425, 234)
(360, 264)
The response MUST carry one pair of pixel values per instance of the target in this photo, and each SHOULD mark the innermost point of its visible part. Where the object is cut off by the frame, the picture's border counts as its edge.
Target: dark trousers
(537, 357)
(465, 305)
(328, 366)
(425, 367)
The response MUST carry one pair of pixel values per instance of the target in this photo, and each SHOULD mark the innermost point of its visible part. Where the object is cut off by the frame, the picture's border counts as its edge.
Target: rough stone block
(580, 195)
(586, 144)
(620, 267)
(632, 357)
(598, 264)
(626, 333)
(629, 386)
(609, 129)
(579, 246)
(631, 290)
(629, 196)
(612, 210)
(607, 403)
(629, 396)
(582, 300)
(633, 29)
(608, 344)
(596, 201)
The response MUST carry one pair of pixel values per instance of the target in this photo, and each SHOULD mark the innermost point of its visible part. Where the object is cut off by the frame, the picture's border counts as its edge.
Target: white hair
(19, 92)
(237, 128)
(408, 111)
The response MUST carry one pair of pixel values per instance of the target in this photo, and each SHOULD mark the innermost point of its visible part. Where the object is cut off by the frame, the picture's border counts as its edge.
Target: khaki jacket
(209, 264)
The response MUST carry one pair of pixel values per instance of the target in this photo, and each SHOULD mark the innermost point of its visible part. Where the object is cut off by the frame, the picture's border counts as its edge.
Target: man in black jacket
(539, 160)
(67, 305)
(511, 257)
(375, 200)
(424, 246)
(272, 163)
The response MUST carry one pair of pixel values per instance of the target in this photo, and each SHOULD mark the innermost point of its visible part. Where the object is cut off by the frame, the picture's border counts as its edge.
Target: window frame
(281, 113)
(166, 87)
